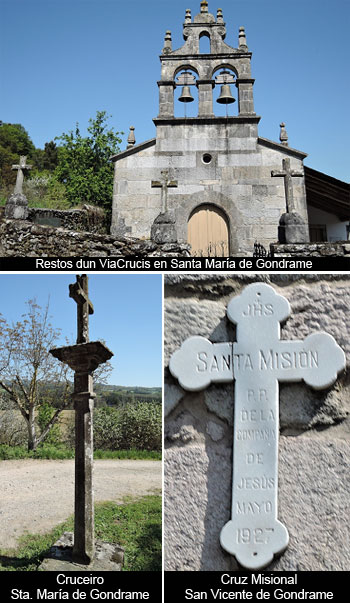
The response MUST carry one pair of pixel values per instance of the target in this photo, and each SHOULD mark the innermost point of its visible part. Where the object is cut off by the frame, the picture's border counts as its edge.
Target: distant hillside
(106, 394)
(114, 395)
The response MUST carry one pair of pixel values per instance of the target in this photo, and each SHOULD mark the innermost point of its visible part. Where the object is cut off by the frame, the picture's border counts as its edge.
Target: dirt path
(36, 495)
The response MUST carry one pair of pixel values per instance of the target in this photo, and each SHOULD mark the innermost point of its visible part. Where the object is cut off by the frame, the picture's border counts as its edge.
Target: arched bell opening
(186, 93)
(208, 232)
(204, 43)
(225, 92)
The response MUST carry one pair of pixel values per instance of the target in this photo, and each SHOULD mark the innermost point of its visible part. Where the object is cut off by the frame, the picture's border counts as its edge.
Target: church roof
(327, 193)
(281, 147)
(135, 149)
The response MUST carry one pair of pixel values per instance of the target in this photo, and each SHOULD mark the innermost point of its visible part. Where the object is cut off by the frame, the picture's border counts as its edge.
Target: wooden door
(208, 232)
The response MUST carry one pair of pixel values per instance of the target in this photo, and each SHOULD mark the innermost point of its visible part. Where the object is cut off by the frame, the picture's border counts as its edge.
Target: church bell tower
(207, 178)
(224, 66)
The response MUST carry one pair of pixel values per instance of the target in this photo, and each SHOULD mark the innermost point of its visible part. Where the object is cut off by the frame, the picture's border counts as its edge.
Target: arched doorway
(208, 232)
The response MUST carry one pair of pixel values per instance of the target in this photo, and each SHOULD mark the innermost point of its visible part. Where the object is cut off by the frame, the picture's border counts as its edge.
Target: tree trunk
(32, 439)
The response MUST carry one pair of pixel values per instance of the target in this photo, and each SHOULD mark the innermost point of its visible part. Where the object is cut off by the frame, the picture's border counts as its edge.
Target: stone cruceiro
(257, 361)
(83, 358)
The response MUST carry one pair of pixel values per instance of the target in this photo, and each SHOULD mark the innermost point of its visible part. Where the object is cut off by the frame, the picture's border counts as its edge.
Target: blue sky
(127, 315)
(62, 60)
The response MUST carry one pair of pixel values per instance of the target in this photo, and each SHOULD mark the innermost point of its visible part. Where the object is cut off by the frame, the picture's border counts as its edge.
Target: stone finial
(283, 134)
(167, 43)
(204, 6)
(219, 16)
(188, 17)
(131, 138)
(242, 37)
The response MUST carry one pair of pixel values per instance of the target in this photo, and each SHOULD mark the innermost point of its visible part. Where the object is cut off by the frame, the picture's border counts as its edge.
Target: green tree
(84, 164)
(31, 376)
(50, 159)
(14, 141)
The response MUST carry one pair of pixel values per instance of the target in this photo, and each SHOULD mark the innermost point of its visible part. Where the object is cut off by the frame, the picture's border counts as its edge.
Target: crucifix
(80, 293)
(83, 358)
(21, 168)
(164, 184)
(288, 174)
(257, 362)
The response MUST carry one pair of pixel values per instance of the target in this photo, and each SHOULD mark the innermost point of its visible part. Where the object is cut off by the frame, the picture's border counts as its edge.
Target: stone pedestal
(163, 229)
(83, 358)
(292, 229)
(16, 207)
(108, 557)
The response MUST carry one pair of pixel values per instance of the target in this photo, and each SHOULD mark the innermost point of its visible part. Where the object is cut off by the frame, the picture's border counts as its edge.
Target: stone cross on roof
(257, 361)
(79, 292)
(287, 174)
(164, 184)
(21, 167)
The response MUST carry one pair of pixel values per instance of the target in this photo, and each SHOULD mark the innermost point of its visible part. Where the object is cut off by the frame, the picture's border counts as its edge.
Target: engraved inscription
(271, 360)
(257, 414)
(255, 434)
(256, 535)
(253, 507)
(267, 360)
(256, 483)
(213, 363)
(258, 309)
(255, 457)
(259, 395)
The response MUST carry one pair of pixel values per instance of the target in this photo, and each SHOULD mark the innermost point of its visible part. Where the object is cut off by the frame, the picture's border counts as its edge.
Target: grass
(60, 453)
(135, 525)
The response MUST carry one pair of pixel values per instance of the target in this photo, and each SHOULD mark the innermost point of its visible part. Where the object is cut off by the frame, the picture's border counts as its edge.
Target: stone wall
(89, 218)
(25, 239)
(314, 485)
(341, 248)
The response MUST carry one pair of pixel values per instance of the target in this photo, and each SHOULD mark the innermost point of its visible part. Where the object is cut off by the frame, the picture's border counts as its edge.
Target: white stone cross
(21, 168)
(257, 361)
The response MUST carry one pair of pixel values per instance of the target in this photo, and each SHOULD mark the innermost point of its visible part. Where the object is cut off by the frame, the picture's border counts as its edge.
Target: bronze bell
(225, 97)
(186, 96)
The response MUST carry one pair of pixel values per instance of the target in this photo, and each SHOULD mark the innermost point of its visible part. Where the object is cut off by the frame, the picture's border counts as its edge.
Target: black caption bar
(82, 586)
(253, 586)
(176, 264)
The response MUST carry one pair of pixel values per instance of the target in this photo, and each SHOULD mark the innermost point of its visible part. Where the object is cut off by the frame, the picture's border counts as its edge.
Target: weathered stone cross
(287, 174)
(21, 168)
(80, 293)
(164, 184)
(257, 361)
(83, 358)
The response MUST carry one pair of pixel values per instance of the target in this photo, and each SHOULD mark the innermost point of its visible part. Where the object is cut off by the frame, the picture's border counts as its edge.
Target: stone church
(211, 180)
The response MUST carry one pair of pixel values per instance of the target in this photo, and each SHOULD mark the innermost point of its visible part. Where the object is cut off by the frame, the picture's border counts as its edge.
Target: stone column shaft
(205, 98)
(84, 540)
(166, 99)
(245, 97)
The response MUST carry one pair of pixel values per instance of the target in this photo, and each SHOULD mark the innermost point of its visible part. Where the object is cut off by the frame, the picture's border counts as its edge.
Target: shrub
(106, 429)
(44, 415)
(141, 426)
(137, 426)
(13, 428)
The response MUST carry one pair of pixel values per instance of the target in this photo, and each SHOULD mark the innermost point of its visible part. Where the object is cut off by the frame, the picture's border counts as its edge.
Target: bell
(225, 97)
(186, 96)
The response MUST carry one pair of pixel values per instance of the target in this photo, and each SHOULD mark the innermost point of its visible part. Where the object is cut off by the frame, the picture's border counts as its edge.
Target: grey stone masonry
(217, 161)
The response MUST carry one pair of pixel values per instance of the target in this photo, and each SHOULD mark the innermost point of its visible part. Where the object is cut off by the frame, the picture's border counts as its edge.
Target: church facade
(220, 185)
